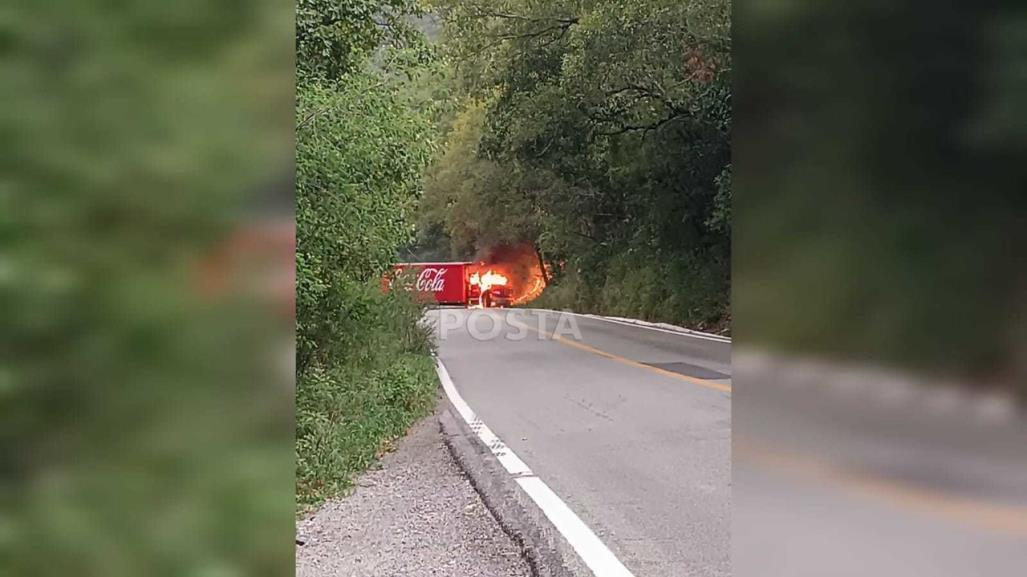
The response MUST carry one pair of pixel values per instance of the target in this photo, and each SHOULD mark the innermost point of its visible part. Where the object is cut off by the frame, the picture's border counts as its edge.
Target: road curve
(629, 426)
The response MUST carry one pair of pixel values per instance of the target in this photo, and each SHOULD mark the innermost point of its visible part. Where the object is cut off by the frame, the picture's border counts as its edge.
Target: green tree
(364, 134)
(359, 156)
(336, 37)
(601, 132)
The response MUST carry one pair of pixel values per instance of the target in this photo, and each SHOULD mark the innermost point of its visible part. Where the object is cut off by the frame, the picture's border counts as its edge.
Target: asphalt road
(862, 476)
(630, 426)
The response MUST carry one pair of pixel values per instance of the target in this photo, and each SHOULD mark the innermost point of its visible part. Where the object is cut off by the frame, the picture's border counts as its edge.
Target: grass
(346, 418)
(353, 403)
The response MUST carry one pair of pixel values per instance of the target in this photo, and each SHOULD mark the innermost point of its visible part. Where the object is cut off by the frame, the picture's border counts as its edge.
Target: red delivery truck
(443, 282)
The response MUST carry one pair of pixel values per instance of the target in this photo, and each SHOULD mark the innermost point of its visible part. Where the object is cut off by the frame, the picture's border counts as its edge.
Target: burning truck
(452, 283)
(504, 276)
(459, 283)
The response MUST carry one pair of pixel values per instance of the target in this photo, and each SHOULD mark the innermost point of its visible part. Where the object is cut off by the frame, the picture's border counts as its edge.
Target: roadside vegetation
(363, 138)
(599, 133)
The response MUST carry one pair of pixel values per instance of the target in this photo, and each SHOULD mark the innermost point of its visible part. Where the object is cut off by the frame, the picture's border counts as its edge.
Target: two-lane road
(629, 426)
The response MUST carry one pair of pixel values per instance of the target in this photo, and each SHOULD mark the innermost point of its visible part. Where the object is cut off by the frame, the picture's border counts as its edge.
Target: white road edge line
(596, 555)
(654, 326)
(690, 333)
(511, 462)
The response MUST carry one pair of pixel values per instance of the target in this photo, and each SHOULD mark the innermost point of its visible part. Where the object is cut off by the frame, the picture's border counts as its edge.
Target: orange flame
(488, 280)
(515, 267)
(538, 284)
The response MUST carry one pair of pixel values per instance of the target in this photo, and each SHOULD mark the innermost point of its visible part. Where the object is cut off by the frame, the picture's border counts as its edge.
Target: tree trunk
(541, 265)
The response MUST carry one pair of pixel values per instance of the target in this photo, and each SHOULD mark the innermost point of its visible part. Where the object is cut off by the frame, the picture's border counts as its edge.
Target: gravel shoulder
(416, 514)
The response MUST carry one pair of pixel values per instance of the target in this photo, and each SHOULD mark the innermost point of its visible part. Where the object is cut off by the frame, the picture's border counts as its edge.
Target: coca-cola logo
(431, 280)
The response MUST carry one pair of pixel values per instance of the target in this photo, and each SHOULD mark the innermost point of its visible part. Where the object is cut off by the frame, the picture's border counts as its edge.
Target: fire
(518, 268)
(488, 280)
(534, 278)
(538, 284)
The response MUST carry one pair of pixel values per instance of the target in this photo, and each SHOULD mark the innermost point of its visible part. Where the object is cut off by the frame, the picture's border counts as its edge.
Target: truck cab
(496, 296)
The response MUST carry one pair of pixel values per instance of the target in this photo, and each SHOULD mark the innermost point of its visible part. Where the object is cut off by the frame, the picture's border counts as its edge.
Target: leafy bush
(364, 370)
(678, 290)
(348, 410)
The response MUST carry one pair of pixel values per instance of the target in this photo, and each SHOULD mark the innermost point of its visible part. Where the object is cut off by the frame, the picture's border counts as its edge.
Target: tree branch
(532, 34)
(640, 127)
(497, 40)
(507, 16)
(659, 94)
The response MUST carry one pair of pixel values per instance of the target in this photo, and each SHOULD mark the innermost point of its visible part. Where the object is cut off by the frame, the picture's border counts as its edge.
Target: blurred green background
(880, 213)
(146, 384)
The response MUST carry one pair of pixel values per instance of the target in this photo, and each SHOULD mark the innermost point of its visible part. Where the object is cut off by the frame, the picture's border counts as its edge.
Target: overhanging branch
(646, 128)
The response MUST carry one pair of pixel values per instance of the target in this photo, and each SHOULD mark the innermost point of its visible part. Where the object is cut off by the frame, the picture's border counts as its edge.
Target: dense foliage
(599, 132)
(364, 372)
(144, 430)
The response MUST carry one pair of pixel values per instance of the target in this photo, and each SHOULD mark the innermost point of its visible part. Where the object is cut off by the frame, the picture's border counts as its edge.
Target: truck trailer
(444, 283)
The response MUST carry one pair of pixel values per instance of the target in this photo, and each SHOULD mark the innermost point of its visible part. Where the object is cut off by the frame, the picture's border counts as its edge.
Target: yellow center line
(996, 517)
(582, 346)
